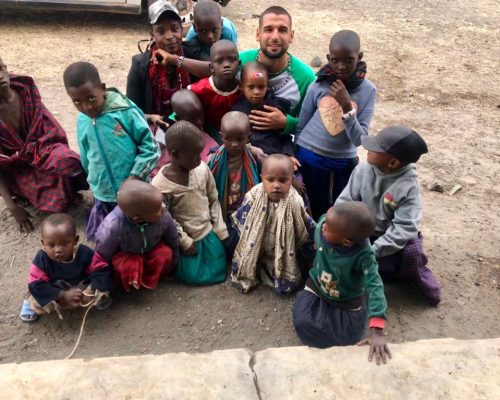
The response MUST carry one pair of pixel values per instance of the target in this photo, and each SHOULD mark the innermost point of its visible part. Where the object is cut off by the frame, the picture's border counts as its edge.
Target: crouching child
(331, 311)
(65, 274)
(139, 237)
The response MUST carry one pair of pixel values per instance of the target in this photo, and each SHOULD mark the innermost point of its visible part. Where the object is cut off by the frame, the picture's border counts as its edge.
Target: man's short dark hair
(276, 10)
(79, 73)
(57, 220)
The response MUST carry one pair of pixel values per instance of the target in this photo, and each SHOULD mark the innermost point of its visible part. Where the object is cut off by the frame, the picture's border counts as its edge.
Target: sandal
(27, 314)
(104, 303)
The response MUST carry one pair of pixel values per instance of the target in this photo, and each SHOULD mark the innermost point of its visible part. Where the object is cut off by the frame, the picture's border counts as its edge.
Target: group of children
(218, 192)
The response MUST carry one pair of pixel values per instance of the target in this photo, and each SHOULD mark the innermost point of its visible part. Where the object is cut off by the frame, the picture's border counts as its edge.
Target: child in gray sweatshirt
(388, 185)
(335, 115)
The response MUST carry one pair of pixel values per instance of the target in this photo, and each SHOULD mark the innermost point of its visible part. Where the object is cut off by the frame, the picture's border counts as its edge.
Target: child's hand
(191, 251)
(23, 219)
(87, 296)
(258, 154)
(296, 163)
(156, 120)
(378, 347)
(339, 93)
(268, 120)
(299, 187)
(71, 298)
(162, 57)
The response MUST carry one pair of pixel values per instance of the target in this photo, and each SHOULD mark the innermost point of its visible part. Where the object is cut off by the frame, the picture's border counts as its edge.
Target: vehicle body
(185, 7)
(114, 6)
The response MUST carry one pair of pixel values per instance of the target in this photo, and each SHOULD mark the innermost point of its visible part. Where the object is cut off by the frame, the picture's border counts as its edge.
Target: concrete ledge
(222, 374)
(427, 369)
(430, 369)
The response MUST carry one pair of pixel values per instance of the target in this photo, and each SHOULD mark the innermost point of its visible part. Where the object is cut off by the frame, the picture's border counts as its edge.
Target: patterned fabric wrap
(293, 230)
(162, 93)
(219, 167)
(326, 73)
(410, 264)
(39, 160)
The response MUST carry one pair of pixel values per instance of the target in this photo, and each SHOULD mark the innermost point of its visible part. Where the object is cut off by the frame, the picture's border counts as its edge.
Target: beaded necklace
(275, 89)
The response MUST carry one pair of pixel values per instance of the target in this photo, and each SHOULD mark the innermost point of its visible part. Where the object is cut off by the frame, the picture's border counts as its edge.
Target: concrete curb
(427, 369)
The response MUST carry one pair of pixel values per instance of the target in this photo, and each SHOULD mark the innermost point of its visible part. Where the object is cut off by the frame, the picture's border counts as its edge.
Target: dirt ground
(435, 64)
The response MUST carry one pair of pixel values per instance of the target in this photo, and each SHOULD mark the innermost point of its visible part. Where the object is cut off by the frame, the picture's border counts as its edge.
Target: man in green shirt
(289, 77)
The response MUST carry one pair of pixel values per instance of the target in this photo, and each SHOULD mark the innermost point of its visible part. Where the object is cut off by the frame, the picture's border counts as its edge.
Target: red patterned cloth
(162, 92)
(37, 162)
(143, 270)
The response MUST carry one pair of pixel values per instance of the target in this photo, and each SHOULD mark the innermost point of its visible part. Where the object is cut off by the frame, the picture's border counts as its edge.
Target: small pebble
(457, 188)
(435, 187)
(316, 62)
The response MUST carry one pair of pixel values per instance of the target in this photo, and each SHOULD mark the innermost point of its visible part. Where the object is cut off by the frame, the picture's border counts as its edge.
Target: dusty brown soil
(436, 67)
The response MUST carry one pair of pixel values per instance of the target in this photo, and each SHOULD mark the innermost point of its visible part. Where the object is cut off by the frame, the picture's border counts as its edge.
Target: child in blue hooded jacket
(113, 136)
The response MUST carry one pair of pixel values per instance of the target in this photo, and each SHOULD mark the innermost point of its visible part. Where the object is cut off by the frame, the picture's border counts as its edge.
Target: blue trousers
(325, 178)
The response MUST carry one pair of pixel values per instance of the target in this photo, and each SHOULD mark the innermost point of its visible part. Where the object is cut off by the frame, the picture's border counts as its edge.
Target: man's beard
(274, 56)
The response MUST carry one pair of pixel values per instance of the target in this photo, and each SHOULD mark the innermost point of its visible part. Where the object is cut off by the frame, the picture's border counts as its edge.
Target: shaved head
(346, 39)
(275, 161)
(206, 8)
(138, 199)
(222, 45)
(235, 120)
(354, 219)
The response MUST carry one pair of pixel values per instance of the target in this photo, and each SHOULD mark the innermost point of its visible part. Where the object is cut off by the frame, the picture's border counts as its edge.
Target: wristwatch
(349, 114)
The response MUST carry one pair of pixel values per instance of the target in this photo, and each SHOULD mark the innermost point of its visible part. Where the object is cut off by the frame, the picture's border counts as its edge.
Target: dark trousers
(321, 324)
(325, 178)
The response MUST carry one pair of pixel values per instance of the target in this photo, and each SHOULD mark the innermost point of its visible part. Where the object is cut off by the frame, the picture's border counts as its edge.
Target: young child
(113, 136)
(219, 92)
(208, 27)
(139, 237)
(187, 107)
(233, 166)
(335, 115)
(388, 185)
(273, 227)
(254, 88)
(330, 310)
(64, 275)
(189, 188)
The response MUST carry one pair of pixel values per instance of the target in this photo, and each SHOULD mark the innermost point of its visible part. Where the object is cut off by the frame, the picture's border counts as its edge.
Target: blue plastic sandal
(27, 314)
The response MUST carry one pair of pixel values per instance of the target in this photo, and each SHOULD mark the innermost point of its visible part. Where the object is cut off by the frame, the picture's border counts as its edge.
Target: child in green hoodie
(113, 136)
(331, 310)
